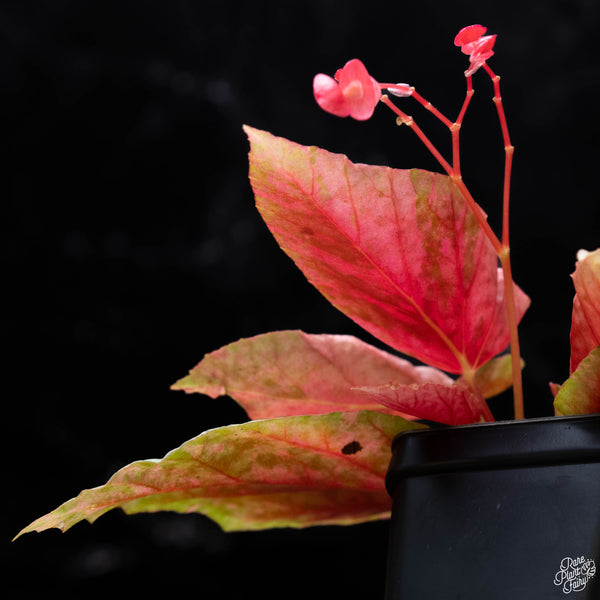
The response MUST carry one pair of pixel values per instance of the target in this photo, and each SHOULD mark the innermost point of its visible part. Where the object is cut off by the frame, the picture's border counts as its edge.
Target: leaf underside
(451, 405)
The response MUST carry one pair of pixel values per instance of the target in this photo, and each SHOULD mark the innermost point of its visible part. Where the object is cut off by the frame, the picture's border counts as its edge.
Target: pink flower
(352, 93)
(478, 46)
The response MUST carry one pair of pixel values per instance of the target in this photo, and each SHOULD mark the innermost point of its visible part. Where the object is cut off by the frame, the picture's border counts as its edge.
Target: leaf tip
(251, 132)
(35, 527)
(197, 383)
(180, 385)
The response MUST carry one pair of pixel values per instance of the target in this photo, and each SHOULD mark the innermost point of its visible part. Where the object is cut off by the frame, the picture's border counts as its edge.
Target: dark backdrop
(131, 246)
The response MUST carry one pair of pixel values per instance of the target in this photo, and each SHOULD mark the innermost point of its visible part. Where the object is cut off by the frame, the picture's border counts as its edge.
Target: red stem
(455, 129)
(502, 248)
(508, 150)
(404, 119)
(504, 255)
(479, 214)
(447, 122)
(515, 351)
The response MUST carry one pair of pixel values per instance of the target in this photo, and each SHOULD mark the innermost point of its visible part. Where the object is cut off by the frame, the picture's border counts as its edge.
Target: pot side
(497, 511)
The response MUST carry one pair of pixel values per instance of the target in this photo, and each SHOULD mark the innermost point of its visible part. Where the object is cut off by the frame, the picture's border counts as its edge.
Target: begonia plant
(410, 257)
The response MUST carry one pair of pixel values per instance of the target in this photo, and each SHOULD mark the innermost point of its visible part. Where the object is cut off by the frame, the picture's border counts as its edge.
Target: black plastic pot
(500, 511)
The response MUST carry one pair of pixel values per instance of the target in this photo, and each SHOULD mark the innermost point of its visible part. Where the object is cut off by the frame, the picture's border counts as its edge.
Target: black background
(131, 246)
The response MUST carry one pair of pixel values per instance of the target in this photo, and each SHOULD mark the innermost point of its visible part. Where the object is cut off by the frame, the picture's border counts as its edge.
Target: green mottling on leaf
(385, 256)
(429, 225)
(286, 472)
(285, 373)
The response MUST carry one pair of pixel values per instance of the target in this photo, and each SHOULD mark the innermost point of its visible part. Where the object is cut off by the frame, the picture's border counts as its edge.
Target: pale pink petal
(376, 88)
(483, 48)
(479, 52)
(468, 48)
(329, 96)
(361, 92)
(475, 66)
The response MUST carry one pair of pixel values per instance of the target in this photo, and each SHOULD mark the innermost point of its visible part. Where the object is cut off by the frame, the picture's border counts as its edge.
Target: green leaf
(287, 373)
(495, 376)
(287, 472)
(580, 394)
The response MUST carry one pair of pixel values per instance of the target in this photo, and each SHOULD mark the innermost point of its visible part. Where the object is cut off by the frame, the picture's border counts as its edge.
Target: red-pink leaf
(398, 251)
(580, 394)
(290, 472)
(288, 373)
(451, 405)
(585, 325)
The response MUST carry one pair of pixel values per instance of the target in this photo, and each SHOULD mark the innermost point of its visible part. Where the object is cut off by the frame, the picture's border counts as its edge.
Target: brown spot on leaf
(352, 448)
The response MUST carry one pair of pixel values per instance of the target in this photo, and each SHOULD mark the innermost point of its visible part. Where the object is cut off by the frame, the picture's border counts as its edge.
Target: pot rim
(496, 445)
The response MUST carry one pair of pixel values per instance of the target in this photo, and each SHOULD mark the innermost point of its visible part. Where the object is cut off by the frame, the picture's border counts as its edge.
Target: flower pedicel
(478, 47)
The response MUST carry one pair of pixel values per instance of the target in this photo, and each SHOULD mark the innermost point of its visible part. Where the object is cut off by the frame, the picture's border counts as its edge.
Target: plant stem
(467, 100)
(457, 177)
(508, 152)
(502, 248)
(425, 103)
(404, 119)
(504, 255)
(455, 129)
(515, 351)
(479, 214)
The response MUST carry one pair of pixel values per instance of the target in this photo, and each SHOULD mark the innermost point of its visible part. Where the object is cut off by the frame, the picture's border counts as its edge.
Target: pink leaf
(580, 394)
(288, 373)
(398, 251)
(585, 324)
(451, 405)
(291, 472)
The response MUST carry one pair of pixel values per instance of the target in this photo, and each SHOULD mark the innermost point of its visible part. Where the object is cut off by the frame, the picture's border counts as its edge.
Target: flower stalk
(352, 93)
